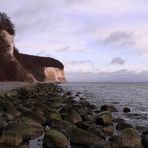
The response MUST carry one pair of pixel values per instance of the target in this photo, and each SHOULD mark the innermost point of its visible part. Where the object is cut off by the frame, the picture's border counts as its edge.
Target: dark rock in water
(126, 110)
(9, 108)
(104, 144)
(63, 126)
(116, 141)
(96, 131)
(108, 108)
(104, 118)
(11, 136)
(73, 116)
(69, 93)
(141, 129)
(145, 139)
(36, 115)
(131, 138)
(77, 94)
(122, 126)
(118, 120)
(84, 124)
(84, 138)
(108, 131)
(3, 124)
(54, 138)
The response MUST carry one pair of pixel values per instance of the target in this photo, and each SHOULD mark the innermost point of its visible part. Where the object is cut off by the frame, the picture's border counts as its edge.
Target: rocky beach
(61, 119)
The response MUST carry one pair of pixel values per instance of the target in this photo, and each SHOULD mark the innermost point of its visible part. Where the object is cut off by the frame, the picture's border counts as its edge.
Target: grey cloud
(80, 62)
(119, 38)
(122, 75)
(117, 61)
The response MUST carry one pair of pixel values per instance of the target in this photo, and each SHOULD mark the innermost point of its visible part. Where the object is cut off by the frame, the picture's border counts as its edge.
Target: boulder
(145, 139)
(11, 136)
(122, 126)
(104, 118)
(108, 108)
(83, 138)
(126, 110)
(73, 116)
(55, 138)
(131, 138)
(53, 116)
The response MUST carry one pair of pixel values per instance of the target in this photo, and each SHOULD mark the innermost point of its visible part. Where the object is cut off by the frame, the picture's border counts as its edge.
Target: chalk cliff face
(15, 66)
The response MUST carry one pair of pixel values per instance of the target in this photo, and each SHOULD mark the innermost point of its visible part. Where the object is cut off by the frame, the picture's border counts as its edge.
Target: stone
(108, 108)
(131, 138)
(122, 126)
(145, 139)
(116, 141)
(55, 138)
(104, 118)
(30, 129)
(73, 116)
(84, 138)
(11, 136)
(108, 131)
(126, 110)
(53, 116)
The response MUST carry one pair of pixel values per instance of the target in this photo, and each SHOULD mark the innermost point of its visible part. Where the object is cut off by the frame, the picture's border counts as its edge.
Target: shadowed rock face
(15, 66)
(42, 68)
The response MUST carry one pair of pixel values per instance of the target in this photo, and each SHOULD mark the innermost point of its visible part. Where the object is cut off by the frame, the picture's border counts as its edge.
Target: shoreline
(47, 108)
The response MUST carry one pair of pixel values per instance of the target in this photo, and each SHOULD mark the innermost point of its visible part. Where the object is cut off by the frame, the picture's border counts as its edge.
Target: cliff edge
(15, 66)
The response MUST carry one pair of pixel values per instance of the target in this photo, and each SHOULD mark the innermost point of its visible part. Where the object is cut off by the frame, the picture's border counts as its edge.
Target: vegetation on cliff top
(6, 24)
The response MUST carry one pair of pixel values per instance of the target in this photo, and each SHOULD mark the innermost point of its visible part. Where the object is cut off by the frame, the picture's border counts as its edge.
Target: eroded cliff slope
(15, 66)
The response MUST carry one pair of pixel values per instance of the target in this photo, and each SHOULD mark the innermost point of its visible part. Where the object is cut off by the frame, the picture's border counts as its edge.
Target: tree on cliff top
(6, 24)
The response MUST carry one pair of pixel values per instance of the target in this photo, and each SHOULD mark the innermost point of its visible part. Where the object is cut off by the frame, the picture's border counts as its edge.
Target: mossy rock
(54, 138)
(53, 116)
(73, 116)
(131, 138)
(104, 118)
(30, 129)
(11, 136)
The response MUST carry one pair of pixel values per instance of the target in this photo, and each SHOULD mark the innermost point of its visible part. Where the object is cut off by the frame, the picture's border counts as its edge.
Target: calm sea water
(120, 95)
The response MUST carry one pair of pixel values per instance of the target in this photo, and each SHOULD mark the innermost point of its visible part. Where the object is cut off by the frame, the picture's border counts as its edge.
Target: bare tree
(6, 24)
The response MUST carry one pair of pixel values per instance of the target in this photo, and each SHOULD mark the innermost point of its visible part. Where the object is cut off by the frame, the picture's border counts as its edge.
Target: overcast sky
(97, 40)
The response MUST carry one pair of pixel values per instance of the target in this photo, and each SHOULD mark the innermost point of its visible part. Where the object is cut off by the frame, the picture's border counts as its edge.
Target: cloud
(117, 61)
(123, 75)
(119, 39)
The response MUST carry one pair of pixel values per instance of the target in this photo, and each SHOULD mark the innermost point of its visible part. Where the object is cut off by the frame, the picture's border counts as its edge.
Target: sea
(120, 95)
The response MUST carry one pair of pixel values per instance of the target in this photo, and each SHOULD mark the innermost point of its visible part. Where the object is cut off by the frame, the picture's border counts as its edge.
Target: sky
(96, 40)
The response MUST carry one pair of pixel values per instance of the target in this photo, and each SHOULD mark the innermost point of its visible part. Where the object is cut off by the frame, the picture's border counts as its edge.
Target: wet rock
(104, 118)
(145, 139)
(53, 116)
(126, 110)
(116, 141)
(96, 131)
(118, 120)
(103, 144)
(108, 131)
(108, 108)
(3, 124)
(9, 108)
(54, 138)
(84, 138)
(122, 126)
(131, 138)
(69, 93)
(11, 136)
(73, 116)
(63, 126)
(77, 94)
(36, 115)
(84, 124)
(29, 128)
